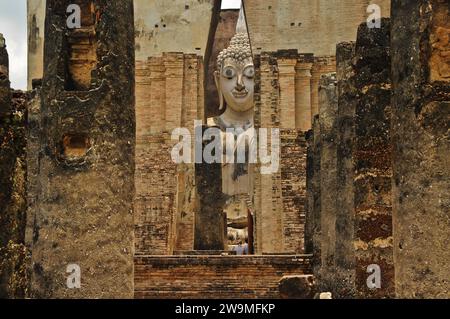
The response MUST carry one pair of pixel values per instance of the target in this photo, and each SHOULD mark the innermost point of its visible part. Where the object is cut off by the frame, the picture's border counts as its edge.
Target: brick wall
(169, 94)
(282, 80)
(220, 277)
(313, 26)
(293, 189)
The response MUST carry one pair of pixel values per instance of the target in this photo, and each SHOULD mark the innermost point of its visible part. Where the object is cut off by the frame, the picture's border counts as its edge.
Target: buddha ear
(219, 90)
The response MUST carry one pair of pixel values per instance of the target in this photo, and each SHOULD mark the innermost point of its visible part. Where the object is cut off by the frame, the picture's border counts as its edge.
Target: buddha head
(235, 74)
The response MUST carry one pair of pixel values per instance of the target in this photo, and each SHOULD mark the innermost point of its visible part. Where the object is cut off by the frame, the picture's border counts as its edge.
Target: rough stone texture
(313, 26)
(372, 160)
(5, 90)
(344, 254)
(13, 253)
(84, 180)
(217, 277)
(297, 287)
(354, 156)
(420, 133)
(328, 104)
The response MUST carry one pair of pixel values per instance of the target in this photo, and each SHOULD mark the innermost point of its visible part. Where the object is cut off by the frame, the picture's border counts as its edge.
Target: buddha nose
(240, 83)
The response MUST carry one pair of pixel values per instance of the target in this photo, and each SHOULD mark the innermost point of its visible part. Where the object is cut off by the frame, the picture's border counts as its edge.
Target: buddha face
(235, 82)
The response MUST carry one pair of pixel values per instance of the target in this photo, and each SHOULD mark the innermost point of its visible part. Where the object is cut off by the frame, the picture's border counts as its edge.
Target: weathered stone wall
(372, 160)
(13, 276)
(355, 170)
(217, 277)
(345, 130)
(312, 26)
(84, 180)
(420, 133)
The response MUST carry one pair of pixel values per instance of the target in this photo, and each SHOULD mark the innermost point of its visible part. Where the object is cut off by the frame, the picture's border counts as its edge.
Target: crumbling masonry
(81, 155)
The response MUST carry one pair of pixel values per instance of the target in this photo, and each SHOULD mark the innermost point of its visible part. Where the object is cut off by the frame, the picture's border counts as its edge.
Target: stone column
(315, 78)
(210, 220)
(328, 188)
(345, 213)
(269, 223)
(82, 221)
(286, 68)
(322, 65)
(144, 114)
(372, 161)
(420, 133)
(157, 94)
(303, 96)
(174, 70)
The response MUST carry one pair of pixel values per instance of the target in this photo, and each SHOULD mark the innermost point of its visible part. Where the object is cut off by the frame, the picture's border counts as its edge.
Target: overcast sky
(231, 4)
(13, 25)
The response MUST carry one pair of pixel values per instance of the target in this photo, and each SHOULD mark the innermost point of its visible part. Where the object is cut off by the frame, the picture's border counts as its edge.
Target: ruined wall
(169, 92)
(82, 186)
(420, 133)
(312, 26)
(355, 201)
(217, 277)
(345, 130)
(13, 277)
(372, 160)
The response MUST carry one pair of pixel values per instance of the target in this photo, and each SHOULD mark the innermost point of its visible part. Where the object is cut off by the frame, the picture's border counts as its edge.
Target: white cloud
(231, 4)
(13, 25)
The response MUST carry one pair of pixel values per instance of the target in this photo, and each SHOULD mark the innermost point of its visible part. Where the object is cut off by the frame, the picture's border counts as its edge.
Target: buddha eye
(249, 72)
(229, 72)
